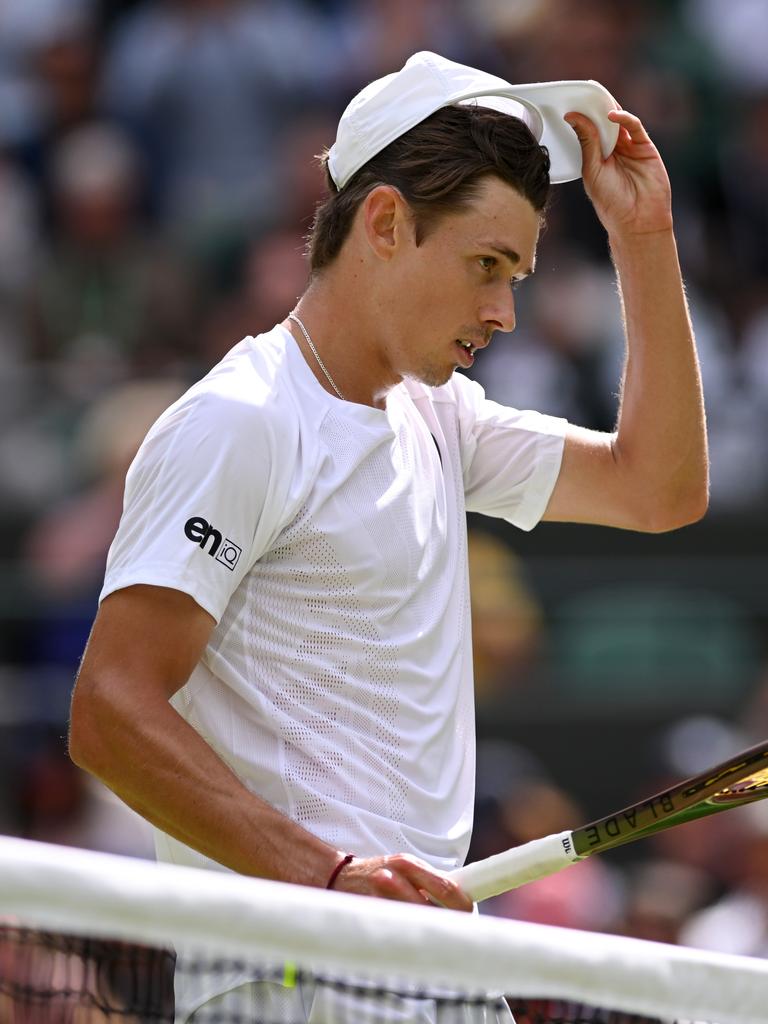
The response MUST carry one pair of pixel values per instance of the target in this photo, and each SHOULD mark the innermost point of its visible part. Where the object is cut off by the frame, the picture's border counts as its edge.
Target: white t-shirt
(328, 541)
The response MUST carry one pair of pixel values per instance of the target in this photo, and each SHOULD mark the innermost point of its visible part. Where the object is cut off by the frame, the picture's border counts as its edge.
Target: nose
(499, 313)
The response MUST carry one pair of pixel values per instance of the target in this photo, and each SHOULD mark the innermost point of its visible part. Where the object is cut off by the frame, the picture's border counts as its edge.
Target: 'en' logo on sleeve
(210, 540)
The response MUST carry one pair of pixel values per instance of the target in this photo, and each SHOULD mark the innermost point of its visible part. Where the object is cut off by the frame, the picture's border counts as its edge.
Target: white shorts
(315, 1003)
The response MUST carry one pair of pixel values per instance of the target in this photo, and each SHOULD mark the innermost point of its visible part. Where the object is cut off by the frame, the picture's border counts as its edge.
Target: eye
(487, 263)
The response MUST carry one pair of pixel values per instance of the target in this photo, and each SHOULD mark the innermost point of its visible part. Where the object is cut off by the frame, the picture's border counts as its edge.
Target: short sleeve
(202, 500)
(510, 458)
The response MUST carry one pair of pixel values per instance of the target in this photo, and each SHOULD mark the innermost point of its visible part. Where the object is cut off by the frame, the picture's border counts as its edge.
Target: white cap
(391, 106)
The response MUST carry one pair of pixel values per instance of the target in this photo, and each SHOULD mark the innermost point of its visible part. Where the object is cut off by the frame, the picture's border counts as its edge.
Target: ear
(386, 218)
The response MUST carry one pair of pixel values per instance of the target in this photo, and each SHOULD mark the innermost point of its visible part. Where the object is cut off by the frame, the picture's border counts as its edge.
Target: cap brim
(547, 103)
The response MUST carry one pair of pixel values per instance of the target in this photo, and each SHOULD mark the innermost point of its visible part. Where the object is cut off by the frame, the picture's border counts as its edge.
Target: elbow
(664, 517)
(86, 732)
(77, 739)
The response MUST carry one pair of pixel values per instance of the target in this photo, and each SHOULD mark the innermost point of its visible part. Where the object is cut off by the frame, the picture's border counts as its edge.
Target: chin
(432, 376)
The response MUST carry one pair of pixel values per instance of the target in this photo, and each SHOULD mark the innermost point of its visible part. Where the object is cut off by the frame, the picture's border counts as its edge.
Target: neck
(347, 342)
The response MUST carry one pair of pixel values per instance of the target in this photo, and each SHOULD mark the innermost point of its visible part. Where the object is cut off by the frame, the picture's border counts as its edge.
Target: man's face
(455, 288)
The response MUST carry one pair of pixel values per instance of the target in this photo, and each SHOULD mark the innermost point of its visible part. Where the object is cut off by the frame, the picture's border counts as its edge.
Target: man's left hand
(630, 190)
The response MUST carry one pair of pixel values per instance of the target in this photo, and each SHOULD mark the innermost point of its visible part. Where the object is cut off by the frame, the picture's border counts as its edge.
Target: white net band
(100, 895)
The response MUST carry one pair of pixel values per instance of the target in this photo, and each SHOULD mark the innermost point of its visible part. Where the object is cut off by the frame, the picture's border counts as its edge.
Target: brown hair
(437, 167)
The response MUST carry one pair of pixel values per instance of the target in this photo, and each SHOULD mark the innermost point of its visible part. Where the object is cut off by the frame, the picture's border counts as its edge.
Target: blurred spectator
(737, 35)
(303, 182)
(517, 803)
(274, 274)
(51, 795)
(108, 301)
(380, 35)
(21, 240)
(20, 235)
(743, 158)
(501, 767)
(671, 78)
(738, 922)
(550, 40)
(66, 549)
(58, 803)
(753, 716)
(709, 846)
(690, 745)
(569, 331)
(506, 619)
(211, 87)
(42, 53)
(33, 463)
(587, 895)
(660, 897)
(753, 360)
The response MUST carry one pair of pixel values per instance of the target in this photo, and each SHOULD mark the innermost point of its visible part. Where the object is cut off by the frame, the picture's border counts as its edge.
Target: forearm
(660, 442)
(161, 767)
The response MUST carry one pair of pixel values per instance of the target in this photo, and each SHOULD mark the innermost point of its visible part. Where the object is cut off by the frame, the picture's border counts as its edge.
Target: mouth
(467, 351)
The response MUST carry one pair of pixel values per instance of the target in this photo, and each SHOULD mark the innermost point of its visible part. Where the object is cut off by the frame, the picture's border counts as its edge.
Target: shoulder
(248, 418)
(251, 391)
(238, 439)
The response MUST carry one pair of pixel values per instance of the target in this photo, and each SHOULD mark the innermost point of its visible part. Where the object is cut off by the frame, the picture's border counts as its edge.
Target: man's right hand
(401, 877)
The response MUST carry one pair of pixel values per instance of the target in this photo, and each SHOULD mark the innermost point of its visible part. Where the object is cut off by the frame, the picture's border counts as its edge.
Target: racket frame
(694, 798)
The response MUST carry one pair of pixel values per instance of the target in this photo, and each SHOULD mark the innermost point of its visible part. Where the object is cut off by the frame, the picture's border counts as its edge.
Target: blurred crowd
(157, 180)
(704, 884)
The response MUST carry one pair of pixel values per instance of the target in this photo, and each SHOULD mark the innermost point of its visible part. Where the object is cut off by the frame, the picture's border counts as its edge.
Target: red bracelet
(347, 859)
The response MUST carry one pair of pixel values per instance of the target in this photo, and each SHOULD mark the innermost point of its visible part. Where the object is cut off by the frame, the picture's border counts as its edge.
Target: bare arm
(652, 473)
(143, 647)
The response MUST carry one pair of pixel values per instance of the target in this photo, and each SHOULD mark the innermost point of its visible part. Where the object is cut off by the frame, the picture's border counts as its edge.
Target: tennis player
(280, 673)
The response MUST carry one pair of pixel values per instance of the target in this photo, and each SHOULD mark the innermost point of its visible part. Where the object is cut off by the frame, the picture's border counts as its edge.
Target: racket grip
(521, 864)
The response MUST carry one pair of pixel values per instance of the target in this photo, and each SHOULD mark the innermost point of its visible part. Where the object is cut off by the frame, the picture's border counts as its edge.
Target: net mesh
(87, 938)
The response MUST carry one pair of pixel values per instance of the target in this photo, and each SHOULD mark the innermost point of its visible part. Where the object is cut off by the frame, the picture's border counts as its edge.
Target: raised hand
(630, 190)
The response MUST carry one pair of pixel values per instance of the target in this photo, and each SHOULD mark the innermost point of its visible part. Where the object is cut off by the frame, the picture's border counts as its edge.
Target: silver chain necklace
(316, 354)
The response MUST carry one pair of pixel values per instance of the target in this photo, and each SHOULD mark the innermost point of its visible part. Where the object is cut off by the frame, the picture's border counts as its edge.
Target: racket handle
(521, 864)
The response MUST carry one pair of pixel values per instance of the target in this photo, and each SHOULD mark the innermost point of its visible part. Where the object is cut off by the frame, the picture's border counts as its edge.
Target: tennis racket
(741, 780)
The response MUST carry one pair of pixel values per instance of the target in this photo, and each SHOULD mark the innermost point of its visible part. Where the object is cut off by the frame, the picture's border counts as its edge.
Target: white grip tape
(521, 864)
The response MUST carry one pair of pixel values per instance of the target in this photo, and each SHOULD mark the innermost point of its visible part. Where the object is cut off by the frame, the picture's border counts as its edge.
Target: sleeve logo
(210, 540)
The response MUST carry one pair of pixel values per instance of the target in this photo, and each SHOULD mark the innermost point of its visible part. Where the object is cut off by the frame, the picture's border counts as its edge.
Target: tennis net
(87, 938)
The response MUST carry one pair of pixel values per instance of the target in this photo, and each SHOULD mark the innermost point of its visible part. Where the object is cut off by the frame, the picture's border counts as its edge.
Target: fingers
(633, 140)
(631, 124)
(589, 139)
(404, 878)
(438, 888)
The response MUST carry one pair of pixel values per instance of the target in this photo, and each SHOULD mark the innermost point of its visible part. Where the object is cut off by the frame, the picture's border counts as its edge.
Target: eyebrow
(510, 254)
